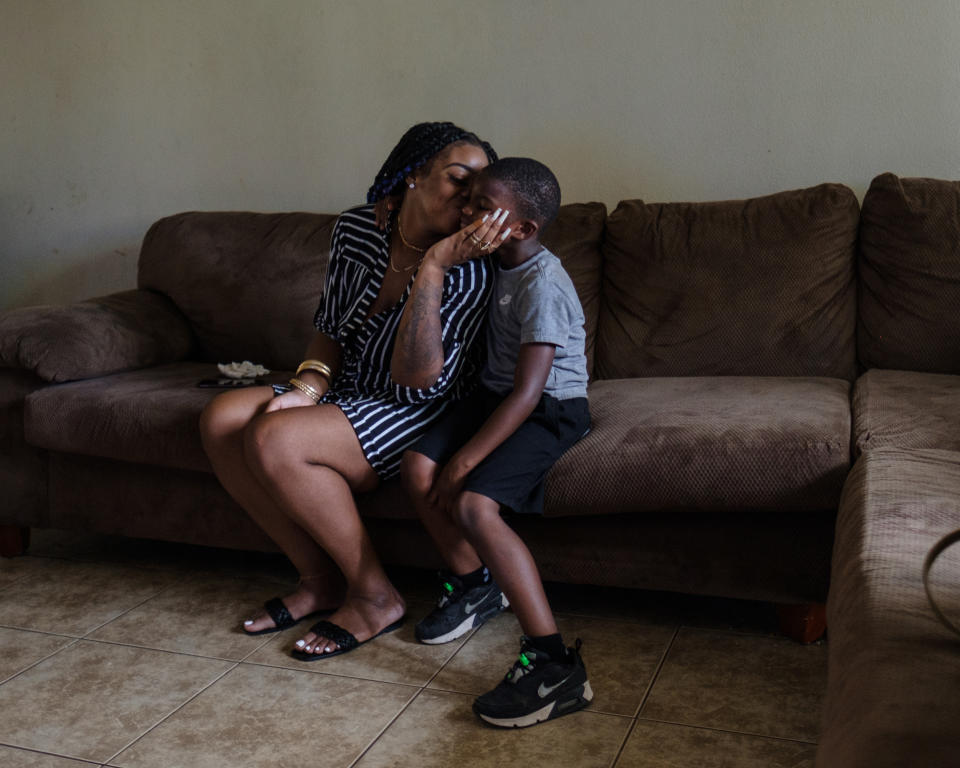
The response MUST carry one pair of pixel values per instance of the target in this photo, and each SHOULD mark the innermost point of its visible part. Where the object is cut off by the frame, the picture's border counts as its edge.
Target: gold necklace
(404, 269)
(409, 245)
(404, 240)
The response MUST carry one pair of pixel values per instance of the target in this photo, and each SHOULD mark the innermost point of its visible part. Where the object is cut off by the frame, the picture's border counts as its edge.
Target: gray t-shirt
(536, 303)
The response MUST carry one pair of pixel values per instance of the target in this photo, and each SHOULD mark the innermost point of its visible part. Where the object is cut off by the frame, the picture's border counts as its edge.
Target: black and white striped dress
(387, 417)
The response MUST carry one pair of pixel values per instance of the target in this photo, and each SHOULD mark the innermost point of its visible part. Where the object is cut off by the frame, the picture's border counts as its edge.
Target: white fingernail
(504, 217)
(497, 212)
(485, 217)
(506, 234)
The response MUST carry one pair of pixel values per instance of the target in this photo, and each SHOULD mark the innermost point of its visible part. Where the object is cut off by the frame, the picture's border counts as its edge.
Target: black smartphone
(228, 383)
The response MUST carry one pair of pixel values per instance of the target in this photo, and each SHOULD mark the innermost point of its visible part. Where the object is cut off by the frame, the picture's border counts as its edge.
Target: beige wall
(114, 113)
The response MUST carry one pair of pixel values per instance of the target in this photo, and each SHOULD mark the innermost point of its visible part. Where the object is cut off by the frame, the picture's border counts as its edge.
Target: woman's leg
(508, 559)
(310, 462)
(418, 473)
(222, 427)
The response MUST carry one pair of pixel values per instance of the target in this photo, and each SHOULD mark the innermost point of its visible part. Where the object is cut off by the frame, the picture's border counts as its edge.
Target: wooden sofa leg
(804, 623)
(14, 540)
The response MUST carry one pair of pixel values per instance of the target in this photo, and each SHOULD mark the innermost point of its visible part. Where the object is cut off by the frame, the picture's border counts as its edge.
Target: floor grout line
(646, 695)
(171, 713)
(385, 728)
(174, 583)
(320, 673)
(33, 751)
(40, 661)
(731, 731)
(656, 672)
(413, 698)
(40, 631)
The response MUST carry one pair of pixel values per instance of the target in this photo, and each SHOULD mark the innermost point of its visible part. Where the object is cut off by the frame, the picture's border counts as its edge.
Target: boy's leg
(508, 559)
(418, 473)
(468, 596)
(549, 680)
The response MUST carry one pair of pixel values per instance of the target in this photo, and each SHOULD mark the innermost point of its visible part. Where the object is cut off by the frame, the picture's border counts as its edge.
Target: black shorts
(514, 472)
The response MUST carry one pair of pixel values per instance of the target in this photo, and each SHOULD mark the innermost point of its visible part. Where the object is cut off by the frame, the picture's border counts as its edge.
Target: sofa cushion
(707, 443)
(575, 237)
(248, 283)
(761, 287)
(909, 264)
(894, 670)
(148, 416)
(906, 409)
(119, 332)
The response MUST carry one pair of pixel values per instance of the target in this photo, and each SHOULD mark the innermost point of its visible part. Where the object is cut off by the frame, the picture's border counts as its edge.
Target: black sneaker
(536, 689)
(459, 610)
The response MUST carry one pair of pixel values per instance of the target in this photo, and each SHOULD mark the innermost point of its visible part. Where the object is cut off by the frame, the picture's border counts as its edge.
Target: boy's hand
(447, 487)
(477, 238)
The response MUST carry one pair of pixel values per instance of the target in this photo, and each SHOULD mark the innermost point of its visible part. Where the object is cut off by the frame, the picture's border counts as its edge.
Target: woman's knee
(266, 446)
(219, 421)
(227, 415)
(417, 473)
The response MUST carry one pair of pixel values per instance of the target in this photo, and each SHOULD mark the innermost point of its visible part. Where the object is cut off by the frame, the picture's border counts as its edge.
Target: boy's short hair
(534, 187)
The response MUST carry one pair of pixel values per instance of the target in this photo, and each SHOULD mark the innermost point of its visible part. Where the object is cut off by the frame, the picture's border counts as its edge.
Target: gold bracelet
(317, 366)
(312, 393)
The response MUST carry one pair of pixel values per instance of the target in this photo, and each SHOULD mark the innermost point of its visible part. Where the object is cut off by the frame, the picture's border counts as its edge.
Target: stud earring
(411, 185)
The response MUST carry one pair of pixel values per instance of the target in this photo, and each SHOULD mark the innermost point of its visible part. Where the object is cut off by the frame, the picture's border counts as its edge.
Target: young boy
(493, 450)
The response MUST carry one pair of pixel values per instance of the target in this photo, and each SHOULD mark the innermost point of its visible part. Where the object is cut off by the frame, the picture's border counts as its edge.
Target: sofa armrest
(130, 329)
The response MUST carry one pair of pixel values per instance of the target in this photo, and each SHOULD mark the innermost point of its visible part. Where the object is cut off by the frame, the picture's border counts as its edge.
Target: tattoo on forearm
(419, 346)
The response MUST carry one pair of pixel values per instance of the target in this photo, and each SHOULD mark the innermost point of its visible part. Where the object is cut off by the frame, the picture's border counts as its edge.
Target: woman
(397, 341)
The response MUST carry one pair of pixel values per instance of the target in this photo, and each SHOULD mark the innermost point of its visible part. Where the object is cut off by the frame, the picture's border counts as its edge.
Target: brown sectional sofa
(725, 341)
(894, 670)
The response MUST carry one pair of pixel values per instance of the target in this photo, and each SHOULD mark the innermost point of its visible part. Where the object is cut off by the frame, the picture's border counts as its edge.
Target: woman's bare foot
(311, 595)
(363, 616)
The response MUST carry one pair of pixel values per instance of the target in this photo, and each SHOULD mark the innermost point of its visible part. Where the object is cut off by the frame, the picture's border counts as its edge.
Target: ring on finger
(485, 246)
(475, 240)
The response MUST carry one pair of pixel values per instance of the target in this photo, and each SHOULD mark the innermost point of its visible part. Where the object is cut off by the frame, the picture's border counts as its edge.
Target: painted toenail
(300, 643)
(248, 622)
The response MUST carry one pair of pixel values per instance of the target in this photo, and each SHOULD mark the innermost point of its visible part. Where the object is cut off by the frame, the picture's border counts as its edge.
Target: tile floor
(115, 652)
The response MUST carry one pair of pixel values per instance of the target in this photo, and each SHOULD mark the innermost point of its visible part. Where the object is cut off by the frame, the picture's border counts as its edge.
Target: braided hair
(417, 147)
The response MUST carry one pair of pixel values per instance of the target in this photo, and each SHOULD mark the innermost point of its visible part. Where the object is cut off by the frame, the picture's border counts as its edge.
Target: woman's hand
(477, 238)
(292, 399)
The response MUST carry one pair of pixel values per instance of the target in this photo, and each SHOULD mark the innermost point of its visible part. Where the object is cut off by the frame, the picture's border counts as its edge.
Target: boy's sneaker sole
(473, 620)
(577, 699)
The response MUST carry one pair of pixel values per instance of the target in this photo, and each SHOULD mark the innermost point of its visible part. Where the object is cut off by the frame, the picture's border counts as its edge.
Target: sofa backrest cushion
(759, 287)
(575, 237)
(248, 283)
(909, 263)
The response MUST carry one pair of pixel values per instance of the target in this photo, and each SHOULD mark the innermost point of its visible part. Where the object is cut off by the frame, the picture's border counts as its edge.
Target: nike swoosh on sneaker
(545, 690)
(471, 607)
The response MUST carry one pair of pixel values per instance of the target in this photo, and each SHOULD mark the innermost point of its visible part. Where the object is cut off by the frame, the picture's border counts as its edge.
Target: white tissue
(244, 370)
